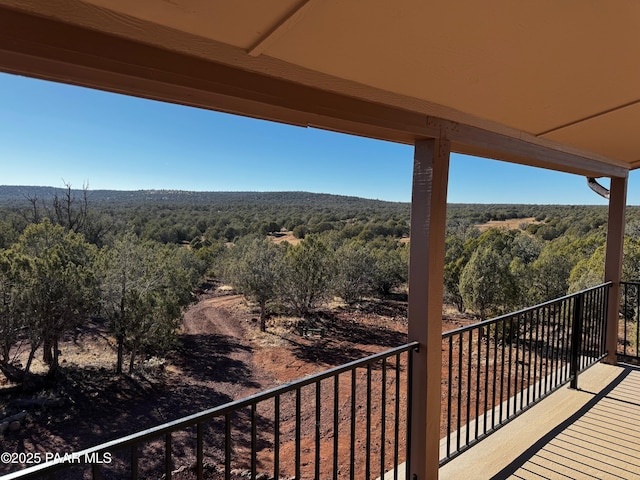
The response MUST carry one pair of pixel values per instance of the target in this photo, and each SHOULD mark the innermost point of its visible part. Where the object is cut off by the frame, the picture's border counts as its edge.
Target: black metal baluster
(479, 354)
(590, 327)
(516, 321)
(566, 304)
(603, 316)
(523, 318)
(318, 408)
(624, 316)
(449, 395)
(556, 336)
(485, 335)
(548, 344)
(276, 437)
(637, 326)
(536, 383)
(134, 462)
(468, 399)
(459, 419)
(96, 473)
(595, 324)
(383, 417)
(597, 321)
(530, 348)
(594, 330)
(199, 452)
(336, 424)
(605, 312)
(409, 409)
(576, 338)
(510, 323)
(167, 456)
(543, 354)
(587, 332)
(227, 447)
(396, 444)
(298, 439)
(600, 321)
(368, 425)
(352, 450)
(254, 442)
(502, 342)
(495, 374)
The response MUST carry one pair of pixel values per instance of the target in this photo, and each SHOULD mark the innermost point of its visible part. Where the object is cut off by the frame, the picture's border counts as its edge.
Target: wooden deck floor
(590, 433)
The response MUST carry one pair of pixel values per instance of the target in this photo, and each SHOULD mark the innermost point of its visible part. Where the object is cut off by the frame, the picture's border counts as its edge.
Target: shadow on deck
(589, 433)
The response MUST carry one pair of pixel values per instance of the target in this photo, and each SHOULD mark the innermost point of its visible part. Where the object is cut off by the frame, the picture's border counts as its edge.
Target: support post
(613, 260)
(426, 272)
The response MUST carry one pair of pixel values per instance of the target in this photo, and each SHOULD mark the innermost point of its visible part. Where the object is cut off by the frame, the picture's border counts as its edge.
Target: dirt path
(215, 353)
(212, 365)
(213, 316)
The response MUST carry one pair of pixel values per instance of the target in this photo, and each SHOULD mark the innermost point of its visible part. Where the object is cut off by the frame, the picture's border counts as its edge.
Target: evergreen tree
(255, 270)
(486, 284)
(61, 286)
(144, 287)
(308, 269)
(355, 270)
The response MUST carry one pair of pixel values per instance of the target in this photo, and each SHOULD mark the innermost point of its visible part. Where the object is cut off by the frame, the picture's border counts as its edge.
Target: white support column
(426, 270)
(613, 260)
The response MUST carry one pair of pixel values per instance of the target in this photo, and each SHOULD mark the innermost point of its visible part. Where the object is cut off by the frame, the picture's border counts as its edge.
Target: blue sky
(50, 133)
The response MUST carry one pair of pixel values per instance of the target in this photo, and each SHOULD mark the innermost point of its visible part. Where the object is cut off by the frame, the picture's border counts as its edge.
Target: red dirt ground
(222, 356)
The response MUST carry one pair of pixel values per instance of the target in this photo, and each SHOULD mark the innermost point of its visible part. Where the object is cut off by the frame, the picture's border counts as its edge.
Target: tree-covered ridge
(11, 195)
(175, 216)
(179, 216)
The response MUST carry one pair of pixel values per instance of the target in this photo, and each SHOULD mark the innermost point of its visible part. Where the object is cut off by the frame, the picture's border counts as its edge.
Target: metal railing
(499, 368)
(629, 329)
(328, 425)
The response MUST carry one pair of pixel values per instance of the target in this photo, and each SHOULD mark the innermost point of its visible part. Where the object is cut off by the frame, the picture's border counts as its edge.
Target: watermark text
(34, 458)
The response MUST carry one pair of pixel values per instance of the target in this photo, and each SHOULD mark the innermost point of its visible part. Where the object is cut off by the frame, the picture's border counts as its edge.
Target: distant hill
(18, 196)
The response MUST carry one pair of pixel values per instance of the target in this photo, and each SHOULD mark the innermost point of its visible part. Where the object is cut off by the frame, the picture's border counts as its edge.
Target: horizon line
(178, 190)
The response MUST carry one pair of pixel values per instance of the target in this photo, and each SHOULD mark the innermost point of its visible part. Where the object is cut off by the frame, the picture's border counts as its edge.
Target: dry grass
(510, 223)
(285, 236)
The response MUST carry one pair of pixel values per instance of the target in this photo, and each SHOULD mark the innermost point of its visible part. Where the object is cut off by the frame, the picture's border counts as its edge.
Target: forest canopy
(135, 258)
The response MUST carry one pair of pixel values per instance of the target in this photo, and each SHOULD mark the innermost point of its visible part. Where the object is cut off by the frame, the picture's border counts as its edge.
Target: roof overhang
(127, 47)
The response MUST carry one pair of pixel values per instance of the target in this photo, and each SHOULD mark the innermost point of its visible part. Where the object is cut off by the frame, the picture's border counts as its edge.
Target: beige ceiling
(559, 76)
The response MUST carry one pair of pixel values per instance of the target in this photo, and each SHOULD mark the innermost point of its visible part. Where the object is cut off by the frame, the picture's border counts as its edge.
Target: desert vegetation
(135, 259)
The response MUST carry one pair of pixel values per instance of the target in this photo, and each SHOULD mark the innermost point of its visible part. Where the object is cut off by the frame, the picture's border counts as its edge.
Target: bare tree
(70, 211)
(33, 211)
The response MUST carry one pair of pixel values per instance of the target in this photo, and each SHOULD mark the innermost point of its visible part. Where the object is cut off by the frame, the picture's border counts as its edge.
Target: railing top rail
(491, 321)
(206, 415)
(630, 282)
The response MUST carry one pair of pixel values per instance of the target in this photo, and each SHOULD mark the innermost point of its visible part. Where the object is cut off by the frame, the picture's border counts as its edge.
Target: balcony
(514, 383)
(384, 95)
(581, 434)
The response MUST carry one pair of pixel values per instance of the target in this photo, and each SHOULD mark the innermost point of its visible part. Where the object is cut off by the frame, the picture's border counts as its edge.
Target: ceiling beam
(53, 50)
(282, 27)
(526, 150)
(587, 118)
